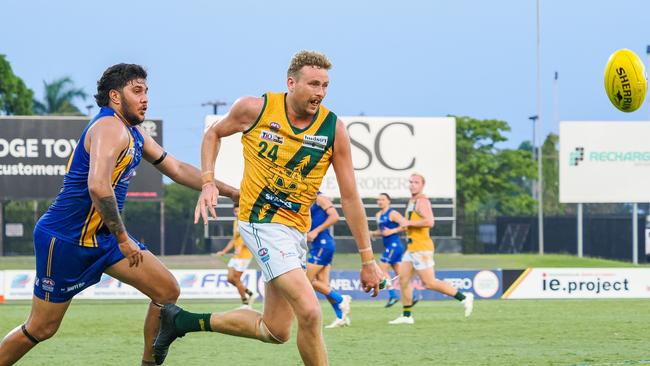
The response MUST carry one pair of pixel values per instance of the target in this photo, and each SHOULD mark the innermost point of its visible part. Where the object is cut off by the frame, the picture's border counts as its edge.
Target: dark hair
(235, 205)
(116, 77)
(385, 194)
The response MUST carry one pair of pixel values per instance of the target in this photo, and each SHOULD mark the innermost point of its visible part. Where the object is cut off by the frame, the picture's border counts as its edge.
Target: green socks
(459, 296)
(191, 322)
(407, 310)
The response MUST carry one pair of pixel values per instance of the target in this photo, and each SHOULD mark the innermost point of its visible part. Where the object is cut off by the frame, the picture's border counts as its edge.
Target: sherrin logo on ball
(625, 80)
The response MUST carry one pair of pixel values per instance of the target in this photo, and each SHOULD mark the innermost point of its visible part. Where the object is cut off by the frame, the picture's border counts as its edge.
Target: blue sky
(405, 58)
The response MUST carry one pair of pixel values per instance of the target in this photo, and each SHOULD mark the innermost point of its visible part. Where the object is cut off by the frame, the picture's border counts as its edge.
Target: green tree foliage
(489, 180)
(485, 173)
(551, 175)
(180, 201)
(15, 97)
(58, 98)
(514, 169)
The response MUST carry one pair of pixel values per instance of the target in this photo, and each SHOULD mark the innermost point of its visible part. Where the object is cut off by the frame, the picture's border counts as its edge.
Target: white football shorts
(239, 264)
(277, 248)
(420, 259)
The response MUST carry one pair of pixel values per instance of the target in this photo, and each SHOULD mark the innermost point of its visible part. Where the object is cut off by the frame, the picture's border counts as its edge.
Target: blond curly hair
(307, 58)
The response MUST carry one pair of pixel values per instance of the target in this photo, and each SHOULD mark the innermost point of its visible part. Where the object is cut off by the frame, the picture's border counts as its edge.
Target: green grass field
(500, 332)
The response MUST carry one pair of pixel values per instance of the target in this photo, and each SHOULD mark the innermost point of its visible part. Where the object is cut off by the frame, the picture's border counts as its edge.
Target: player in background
(319, 261)
(388, 228)
(418, 258)
(82, 234)
(289, 141)
(238, 264)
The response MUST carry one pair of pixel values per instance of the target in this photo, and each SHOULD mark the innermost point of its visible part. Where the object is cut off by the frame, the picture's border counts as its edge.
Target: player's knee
(42, 331)
(282, 336)
(174, 293)
(310, 316)
(167, 293)
(231, 279)
(431, 284)
(275, 336)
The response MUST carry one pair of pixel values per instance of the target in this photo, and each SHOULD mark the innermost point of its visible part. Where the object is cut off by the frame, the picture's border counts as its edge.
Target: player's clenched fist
(371, 275)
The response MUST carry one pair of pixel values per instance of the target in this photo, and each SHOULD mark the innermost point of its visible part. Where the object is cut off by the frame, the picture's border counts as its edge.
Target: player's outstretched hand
(131, 252)
(207, 201)
(371, 275)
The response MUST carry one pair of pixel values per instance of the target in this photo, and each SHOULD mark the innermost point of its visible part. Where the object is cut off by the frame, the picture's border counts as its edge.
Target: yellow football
(625, 80)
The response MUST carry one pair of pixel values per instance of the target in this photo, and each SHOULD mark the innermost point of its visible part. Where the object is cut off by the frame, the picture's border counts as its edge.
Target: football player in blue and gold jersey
(82, 234)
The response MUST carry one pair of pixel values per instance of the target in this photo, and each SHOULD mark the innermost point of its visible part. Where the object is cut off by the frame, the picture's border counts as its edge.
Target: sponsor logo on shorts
(74, 287)
(270, 136)
(287, 255)
(275, 127)
(263, 253)
(47, 284)
(315, 142)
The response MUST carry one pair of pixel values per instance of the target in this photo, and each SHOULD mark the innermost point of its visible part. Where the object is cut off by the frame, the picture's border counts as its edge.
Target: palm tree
(58, 97)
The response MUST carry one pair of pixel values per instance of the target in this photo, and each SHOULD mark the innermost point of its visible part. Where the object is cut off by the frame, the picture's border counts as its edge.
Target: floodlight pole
(534, 152)
(215, 105)
(580, 246)
(540, 180)
(635, 230)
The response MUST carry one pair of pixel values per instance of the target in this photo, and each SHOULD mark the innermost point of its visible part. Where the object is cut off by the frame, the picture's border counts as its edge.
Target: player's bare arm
(105, 140)
(423, 208)
(401, 220)
(332, 217)
(398, 218)
(242, 116)
(353, 210)
(227, 248)
(180, 171)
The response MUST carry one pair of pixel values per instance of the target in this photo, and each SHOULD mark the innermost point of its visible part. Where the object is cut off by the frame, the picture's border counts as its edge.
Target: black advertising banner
(34, 152)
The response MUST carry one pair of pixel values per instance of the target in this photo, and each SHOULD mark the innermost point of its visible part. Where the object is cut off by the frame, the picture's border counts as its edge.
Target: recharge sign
(581, 283)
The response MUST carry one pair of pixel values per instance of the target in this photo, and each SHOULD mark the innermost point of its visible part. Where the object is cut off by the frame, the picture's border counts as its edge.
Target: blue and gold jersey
(386, 223)
(318, 217)
(72, 217)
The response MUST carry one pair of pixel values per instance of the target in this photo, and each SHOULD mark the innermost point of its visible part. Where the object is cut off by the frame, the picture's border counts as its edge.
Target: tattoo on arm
(107, 207)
